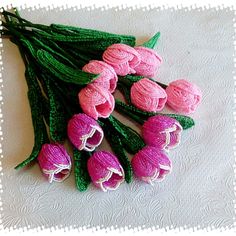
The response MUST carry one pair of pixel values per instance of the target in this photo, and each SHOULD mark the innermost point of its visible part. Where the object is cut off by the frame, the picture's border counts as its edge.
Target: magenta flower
(54, 162)
(105, 170)
(148, 95)
(151, 164)
(107, 78)
(150, 62)
(96, 101)
(183, 96)
(84, 132)
(162, 131)
(122, 58)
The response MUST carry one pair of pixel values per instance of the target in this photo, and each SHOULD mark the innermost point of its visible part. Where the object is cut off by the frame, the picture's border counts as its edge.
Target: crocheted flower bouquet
(72, 74)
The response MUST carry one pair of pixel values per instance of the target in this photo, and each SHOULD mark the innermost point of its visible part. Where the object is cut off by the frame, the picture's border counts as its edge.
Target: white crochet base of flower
(108, 176)
(63, 169)
(89, 147)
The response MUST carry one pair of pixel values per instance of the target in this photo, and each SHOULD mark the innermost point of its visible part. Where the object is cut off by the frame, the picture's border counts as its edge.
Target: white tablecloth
(197, 45)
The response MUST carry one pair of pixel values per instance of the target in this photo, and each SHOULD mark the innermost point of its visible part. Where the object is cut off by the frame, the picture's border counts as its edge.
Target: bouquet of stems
(72, 74)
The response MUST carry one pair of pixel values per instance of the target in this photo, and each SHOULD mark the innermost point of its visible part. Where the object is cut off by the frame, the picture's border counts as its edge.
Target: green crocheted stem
(151, 43)
(82, 178)
(141, 116)
(63, 72)
(116, 144)
(40, 132)
(130, 139)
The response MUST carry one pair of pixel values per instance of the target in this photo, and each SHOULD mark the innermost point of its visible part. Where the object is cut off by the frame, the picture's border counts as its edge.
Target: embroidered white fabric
(196, 44)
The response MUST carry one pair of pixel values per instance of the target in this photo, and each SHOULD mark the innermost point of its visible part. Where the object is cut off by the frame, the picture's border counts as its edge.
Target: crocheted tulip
(183, 96)
(148, 95)
(107, 78)
(122, 58)
(96, 101)
(150, 62)
(105, 170)
(162, 131)
(54, 162)
(151, 164)
(84, 132)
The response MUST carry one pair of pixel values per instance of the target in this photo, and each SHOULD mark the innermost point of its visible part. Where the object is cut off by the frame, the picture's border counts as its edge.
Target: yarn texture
(150, 62)
(183, 96)
(84, 132)
(105, 170)
(107, 78)
(162, 132)
(148, 95)
(54, 162)
(96, 101)
(122, 58)
(151, 164)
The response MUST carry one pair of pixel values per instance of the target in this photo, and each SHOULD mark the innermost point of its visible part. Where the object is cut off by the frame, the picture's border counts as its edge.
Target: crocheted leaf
(141, 116)
(63, 72)
(117, 147)
(40, 132)
(151, 43)
(57, 118)
(130, 139)
(82, 178)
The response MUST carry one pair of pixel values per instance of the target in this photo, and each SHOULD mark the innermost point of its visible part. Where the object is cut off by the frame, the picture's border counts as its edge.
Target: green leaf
(63, 72)
(82, 177)
(130, 139)
(151, 43)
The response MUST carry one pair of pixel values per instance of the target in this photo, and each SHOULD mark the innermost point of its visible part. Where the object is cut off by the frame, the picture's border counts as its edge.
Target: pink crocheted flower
(148, 95)
(84, 132)
(54, 162)
(162, 131)
(96, 101)
(150, 62)
(105, 170)
(151, 164)
(122, 58)
(183, 96)
(107, 78)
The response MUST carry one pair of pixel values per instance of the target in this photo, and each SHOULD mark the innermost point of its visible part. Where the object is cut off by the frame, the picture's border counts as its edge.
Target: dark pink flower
(162, 131)
(105, 170)
(151, 164)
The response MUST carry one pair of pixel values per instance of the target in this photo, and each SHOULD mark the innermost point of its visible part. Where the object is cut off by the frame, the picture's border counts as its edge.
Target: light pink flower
(150, 62)
(54, 162)
(122, 58)
(162, 131)
(151, 164)
(84, 132)
(107, 78)
(183, 96)
(96, 101)
(148, 95)
(105, 170)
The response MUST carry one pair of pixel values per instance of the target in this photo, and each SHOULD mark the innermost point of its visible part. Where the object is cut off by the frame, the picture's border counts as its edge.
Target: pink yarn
(105, 170)
(122, 58)
(54, 162)
(96, 101)
(148, 95)
(84, 132)
(151, 164)
(107, 78)
(162, 131)
(150, 62)
(183, 96)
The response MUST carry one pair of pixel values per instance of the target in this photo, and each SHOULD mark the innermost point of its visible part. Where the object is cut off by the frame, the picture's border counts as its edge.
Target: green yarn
(141, 116)
(115, 142)
(82, 178)
(40, 132)
(130, 139)
(151, 43)
(63, 72)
